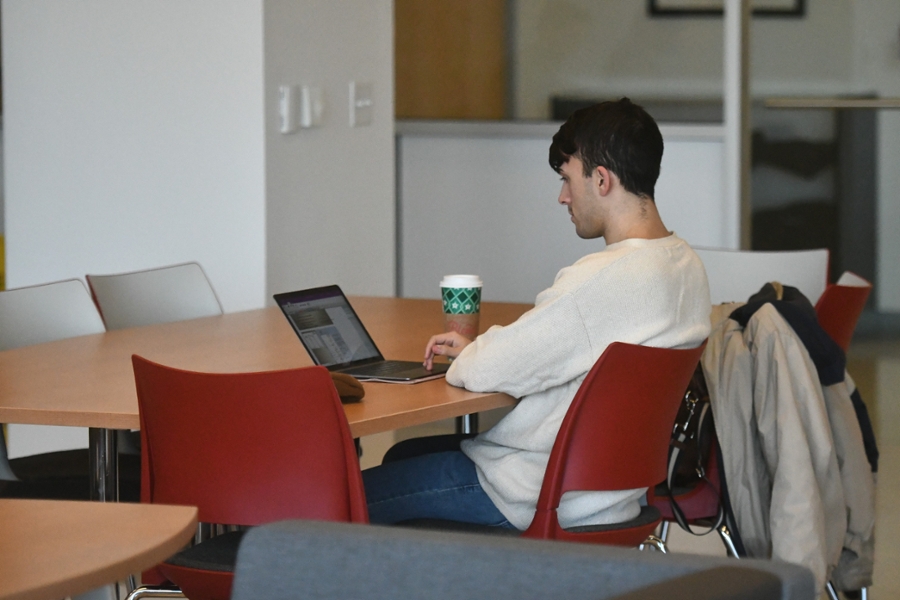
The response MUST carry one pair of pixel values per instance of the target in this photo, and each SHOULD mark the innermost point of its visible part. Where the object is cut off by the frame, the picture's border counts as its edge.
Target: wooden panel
(450, 59)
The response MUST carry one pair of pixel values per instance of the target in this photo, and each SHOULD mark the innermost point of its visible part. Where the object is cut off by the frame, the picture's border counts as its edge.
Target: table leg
(467, 424)
(104, 464)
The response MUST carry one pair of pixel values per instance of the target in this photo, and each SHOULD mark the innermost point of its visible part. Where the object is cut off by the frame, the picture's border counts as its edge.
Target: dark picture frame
(713, 8)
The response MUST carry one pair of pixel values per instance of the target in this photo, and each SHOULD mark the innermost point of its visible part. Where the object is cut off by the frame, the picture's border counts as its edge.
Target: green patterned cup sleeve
(461, 301)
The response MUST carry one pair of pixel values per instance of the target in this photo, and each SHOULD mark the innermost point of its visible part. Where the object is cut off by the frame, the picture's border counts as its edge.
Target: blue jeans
(438, 485)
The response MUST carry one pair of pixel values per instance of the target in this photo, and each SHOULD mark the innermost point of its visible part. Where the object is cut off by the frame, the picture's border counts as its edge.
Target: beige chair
(735, 275)
(162, 295)
(35, 315)
(45, 313)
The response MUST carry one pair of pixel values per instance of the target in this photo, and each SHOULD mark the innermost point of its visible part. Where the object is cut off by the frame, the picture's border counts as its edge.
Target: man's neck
(639, 220)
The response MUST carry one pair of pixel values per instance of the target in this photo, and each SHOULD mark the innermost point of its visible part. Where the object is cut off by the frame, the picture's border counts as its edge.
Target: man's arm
(546, 347)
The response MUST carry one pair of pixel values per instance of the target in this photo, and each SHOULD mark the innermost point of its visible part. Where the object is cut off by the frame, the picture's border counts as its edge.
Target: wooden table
(52, 549)
(88, 381)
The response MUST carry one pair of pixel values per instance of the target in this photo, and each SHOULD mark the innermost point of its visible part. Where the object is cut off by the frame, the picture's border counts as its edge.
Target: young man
(646, 287)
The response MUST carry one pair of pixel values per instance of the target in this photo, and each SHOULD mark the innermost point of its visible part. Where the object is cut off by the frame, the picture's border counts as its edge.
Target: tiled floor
(875, 366)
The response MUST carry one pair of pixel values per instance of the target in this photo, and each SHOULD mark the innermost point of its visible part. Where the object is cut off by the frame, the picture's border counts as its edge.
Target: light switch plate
(287, 108)
(360, 104)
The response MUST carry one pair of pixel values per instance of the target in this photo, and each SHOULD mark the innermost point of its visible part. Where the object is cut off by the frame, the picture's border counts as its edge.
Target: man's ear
(602, 178)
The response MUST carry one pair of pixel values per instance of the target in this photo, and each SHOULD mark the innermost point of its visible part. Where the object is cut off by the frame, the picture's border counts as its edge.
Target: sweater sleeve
(545, 347)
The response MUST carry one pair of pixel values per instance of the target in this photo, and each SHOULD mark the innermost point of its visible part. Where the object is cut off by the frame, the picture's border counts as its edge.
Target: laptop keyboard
(388, 367)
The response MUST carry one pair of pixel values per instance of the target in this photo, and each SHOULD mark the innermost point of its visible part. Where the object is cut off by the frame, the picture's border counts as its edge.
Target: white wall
(2, 210)
(134, 138)
(330, 189)
(144, 133)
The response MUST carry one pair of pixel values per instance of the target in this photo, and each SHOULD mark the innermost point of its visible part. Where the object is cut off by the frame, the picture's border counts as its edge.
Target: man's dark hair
(618, 135)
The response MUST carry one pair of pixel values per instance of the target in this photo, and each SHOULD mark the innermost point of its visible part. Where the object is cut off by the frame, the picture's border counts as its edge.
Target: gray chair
(163, 295)
(316, 560)
(35, 315)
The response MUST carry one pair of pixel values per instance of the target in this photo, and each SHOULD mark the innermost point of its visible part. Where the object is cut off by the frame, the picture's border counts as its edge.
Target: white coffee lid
(461, 281)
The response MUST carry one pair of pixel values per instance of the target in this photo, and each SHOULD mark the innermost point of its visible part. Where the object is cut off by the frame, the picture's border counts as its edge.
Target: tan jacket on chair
(798, 479)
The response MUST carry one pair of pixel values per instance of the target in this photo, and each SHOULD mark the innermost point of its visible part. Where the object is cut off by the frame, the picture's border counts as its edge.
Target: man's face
(581, 195)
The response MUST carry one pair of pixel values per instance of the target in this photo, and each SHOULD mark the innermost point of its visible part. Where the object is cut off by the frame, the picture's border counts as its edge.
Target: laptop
(335, 338)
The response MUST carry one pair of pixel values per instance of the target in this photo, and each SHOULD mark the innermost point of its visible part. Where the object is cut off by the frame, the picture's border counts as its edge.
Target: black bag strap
(699, 412)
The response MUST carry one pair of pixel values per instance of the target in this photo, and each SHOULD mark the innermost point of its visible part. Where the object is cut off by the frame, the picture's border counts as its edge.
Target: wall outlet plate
(360, 104)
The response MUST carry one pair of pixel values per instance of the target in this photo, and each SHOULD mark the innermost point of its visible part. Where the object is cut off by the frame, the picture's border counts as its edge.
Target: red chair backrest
(247, 448)
(616, 433)
(838, 311)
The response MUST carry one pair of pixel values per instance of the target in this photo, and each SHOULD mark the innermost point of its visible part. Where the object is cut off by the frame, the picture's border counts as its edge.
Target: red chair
(615, 436)
(840, 306)
(246, 449)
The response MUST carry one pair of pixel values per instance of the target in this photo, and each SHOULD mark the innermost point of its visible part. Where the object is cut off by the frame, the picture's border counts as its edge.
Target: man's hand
(444, 344)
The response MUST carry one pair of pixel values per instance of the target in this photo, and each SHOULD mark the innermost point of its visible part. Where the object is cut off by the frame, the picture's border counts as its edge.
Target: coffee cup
(461, 297)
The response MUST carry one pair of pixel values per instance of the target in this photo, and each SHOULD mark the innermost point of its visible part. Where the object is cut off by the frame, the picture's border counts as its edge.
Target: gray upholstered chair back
(314, 560)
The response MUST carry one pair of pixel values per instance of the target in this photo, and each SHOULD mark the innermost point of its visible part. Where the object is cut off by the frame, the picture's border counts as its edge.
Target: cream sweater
(649, 292)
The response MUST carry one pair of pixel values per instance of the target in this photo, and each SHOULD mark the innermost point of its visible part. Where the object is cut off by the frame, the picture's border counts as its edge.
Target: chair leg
(664, 531)
(725, 535)
(146, 591)
(860, 594)
(654, 542)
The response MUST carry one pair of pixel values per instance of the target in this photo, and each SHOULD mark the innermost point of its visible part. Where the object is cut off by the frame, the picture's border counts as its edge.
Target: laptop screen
(328, 327)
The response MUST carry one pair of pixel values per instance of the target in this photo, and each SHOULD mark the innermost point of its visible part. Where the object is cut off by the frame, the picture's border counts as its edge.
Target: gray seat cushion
(215, 554)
